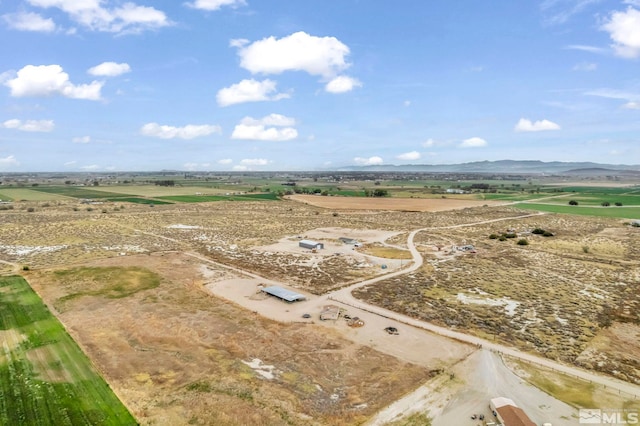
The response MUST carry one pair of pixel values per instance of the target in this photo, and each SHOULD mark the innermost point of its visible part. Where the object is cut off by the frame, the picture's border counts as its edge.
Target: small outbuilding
(283, 294)
(347, 240)
(330, 313)
(308, 244)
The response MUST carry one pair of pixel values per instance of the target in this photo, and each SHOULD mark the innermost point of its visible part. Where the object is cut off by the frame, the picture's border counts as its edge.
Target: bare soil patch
(11, 338)
(177, 355)
(396, 204)
(411, 344)
(614, 349)
(47, 365)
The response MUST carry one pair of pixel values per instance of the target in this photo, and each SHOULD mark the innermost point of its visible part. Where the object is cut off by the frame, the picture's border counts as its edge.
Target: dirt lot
(395, 204)
(175, 354)
(411, 344)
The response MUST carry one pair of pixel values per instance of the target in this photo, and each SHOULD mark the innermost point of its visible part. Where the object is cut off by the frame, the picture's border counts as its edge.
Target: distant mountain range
(509, 166)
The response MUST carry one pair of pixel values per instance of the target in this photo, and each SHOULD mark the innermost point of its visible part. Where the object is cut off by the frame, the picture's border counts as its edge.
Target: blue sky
(109, 85)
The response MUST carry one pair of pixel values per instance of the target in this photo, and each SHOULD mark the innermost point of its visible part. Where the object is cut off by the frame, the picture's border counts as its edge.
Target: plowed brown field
(396, 204)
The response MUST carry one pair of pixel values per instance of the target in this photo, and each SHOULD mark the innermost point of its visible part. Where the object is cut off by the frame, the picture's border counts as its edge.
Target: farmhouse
(308, 244)
(508, 413)
(284, 294)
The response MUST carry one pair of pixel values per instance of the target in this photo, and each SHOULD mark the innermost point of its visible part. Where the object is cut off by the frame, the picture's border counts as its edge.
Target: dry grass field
(174, 352)
(394, 204)
(558, 296)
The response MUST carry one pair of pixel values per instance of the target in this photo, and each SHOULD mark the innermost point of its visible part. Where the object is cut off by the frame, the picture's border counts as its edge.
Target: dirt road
(485, 376)
(345, 296)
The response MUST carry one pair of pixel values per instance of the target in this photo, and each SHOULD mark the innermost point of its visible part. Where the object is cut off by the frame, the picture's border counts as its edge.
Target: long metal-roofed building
(508, 413)
(308, 244)
(283, 294)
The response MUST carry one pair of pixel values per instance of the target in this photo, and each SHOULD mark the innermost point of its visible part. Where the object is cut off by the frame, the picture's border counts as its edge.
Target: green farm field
(45, 379)
(77, 191)
(26, 194)
(207, 198)
(160, 191)
(611, 211)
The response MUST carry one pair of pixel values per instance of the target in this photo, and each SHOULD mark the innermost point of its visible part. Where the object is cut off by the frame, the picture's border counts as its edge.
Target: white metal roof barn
(284, 294)
(308, 244)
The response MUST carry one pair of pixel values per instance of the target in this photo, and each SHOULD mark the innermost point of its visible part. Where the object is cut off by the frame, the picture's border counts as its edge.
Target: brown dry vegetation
(565, 295)
(174, 353)
(395, 204)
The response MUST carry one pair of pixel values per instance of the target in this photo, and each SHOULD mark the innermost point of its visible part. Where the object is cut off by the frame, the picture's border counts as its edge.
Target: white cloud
(238, 42)
(624, 30)
(249, 91)
(49, 80)
(239, 168)
(261, 133)
(29, 125)
(586, 48)
(371, 161)
(585, 66)
(91, 167)
(225, 161)
(196, 166)
(526, 125)
(474, 142)
(409, 156)
(28, 21)
(631, 105)
(559, 12)
(81, 139)
(256, 129)
(431, 143)
(109, 69)
(70, 163)
(270, 120)
(215, 4)
(9, 161)
(254, 162)
(406, 103)
(321, 56)
(633, 99)
(190, 131)
(125, 18)
(342, 84)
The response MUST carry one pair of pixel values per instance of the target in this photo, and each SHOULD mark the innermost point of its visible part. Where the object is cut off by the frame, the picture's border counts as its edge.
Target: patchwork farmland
(175, 281)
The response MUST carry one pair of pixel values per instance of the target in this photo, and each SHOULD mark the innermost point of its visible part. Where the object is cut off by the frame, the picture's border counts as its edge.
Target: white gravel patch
(30, 250)
(266, 371)
(510, 306)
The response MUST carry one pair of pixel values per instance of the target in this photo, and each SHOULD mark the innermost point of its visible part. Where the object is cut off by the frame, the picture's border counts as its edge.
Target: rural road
(345, 297)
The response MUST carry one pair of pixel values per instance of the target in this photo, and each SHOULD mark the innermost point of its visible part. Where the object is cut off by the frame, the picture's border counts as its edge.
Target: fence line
(502, 354)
